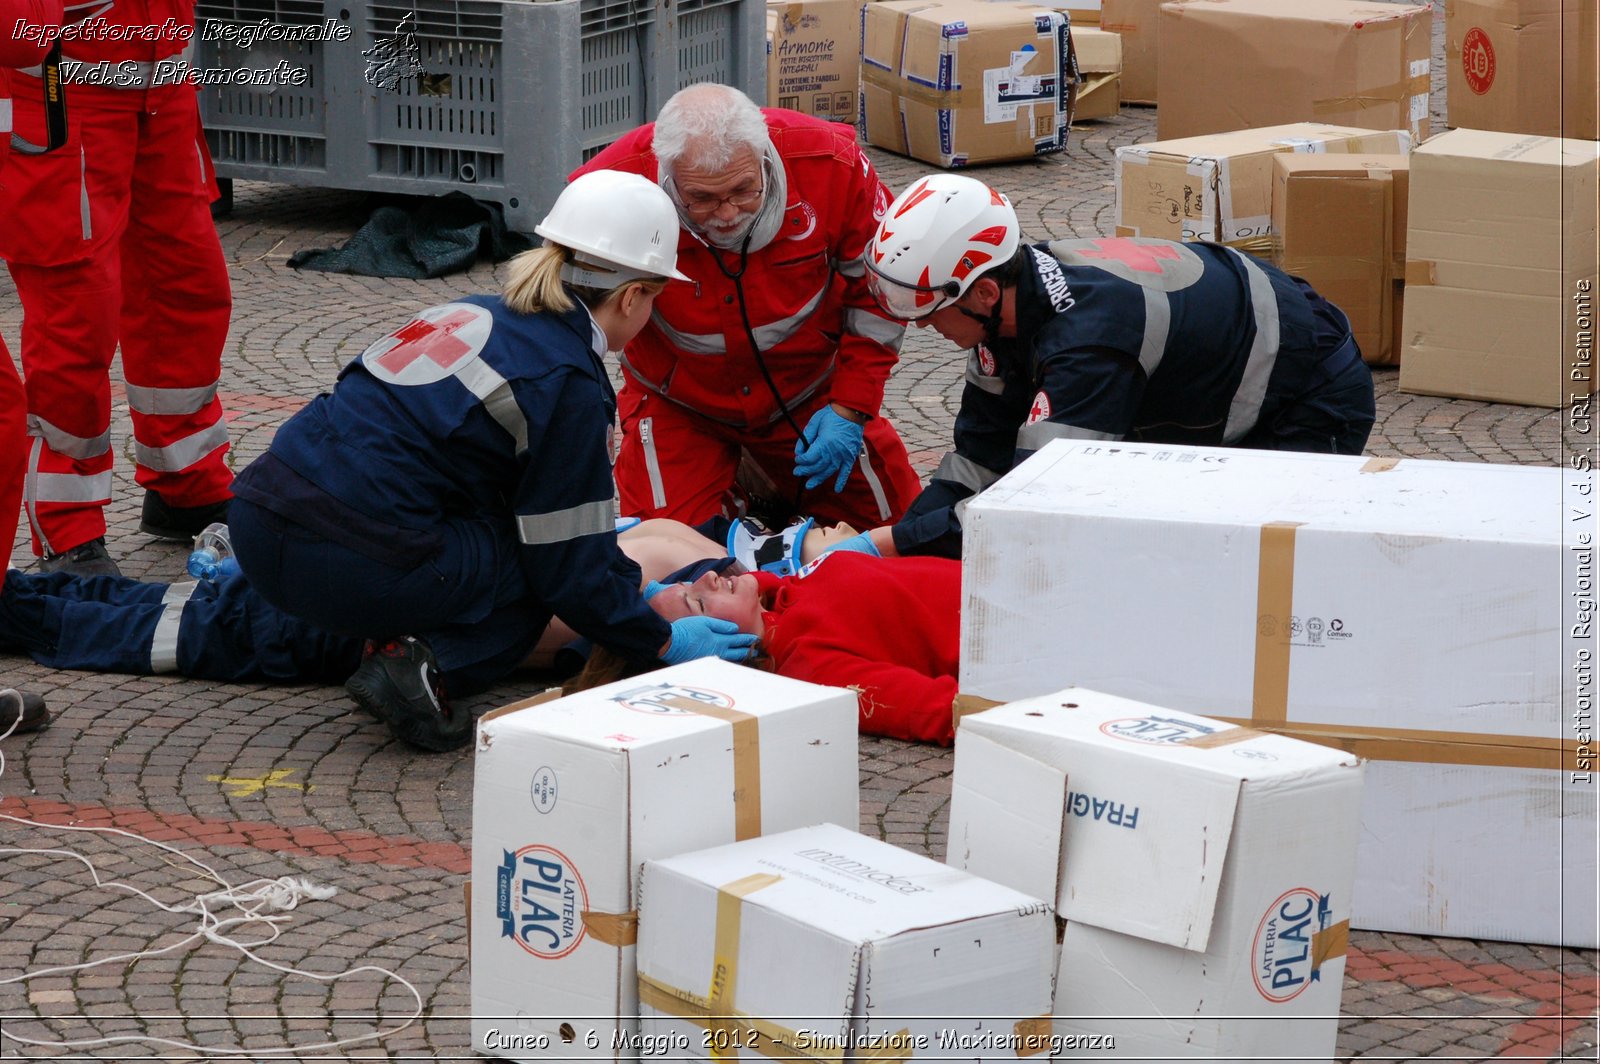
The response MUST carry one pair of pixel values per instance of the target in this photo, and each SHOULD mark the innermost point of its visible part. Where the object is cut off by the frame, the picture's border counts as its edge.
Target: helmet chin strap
(989, 321)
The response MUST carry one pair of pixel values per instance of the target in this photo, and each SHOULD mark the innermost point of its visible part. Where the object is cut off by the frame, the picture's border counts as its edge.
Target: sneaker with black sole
(398, 682)
(162, 520)
(86, 559)
(24, 709)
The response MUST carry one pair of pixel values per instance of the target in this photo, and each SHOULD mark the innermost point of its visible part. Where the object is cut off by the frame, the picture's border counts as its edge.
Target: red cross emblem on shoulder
(1146, 258)
(433, 340)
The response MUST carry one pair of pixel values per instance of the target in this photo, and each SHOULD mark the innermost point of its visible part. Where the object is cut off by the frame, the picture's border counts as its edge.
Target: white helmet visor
(910, 302)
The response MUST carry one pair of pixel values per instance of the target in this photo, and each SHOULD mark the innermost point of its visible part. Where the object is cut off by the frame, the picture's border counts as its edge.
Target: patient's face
(822, 537)
(731, 598)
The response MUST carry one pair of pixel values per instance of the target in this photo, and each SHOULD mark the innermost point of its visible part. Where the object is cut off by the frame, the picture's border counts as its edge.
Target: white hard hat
(936, 238)
(622, 223)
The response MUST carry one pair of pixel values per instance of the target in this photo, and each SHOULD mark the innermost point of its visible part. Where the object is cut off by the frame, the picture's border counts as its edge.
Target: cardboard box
(1408, 611)
(814, 57)
(957, 82)
(571, 796)
(1522, 66)
(1204, 870)
(1138, 23)
(1100, 66)
(1082, 12)
(1339, 221)
(1501, 262)
(822, 944)
(1238, 64)
(1220, 187)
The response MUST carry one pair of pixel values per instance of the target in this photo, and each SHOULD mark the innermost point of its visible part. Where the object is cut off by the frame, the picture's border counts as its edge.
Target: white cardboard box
(824, 944)
(1409, 611)
(572, 795)
(1203, 870)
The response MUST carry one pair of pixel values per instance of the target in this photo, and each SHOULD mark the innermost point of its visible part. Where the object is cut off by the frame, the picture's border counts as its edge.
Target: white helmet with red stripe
(936, 238)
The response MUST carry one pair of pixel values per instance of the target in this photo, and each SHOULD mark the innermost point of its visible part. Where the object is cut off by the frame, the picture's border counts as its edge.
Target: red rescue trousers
(13, 451)
(110, 240)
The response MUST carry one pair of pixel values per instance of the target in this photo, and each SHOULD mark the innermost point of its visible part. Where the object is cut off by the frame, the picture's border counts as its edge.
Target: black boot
(398, 682)
(27, 706)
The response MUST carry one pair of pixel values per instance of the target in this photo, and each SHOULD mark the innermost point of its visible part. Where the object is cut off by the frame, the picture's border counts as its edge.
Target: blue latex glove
(828, 448)
(652, 589)
(704, 637)
(860, 544)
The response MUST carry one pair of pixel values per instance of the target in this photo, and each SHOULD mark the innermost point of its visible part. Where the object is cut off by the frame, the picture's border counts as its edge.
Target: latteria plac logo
(1154, 729)
(540, 900)
(1284, 950)
(663, 698)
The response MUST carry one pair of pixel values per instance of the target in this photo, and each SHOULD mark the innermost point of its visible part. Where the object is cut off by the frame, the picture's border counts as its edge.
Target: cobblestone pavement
(265, 781)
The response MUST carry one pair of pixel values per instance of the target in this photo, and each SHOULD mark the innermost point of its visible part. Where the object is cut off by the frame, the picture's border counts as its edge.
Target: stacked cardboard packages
(1522, 66)
(1100, 66)
(814, 57)
(822, 944)
(1220, 187)
(956, 82)
(1339, 221)
(1408, 611)
(1203, 870)
(1501, 260)
(1236, 64)
(572, 795)
(1137, 22)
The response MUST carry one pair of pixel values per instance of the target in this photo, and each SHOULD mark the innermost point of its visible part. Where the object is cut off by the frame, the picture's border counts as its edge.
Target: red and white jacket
(21, 49)
(818, 326)
(888, 627)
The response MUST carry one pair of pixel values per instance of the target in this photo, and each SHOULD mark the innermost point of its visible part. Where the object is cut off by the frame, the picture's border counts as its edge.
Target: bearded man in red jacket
(778, 351)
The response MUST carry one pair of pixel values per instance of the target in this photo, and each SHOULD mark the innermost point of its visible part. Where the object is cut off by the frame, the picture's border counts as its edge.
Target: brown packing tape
(1431, 747)
(1259, 246)
(1421, 272)
(767, 1038)
(614, 929)
(1397, 92)
(942, 99)
(725, 962)
(966, 705)
(1222, 738)
(1274, 605)
(1329, 943)
(746, 763)
(1033, 1035)
(1379, 465)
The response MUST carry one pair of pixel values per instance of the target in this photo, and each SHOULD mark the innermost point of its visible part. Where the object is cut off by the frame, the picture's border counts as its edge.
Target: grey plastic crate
(275, 132)
(513, 94)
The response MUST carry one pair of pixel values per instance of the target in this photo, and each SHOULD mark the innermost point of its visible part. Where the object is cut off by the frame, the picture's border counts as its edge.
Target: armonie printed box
(1408, 611)
(822, 944)
(572, 795)
(1203, 870)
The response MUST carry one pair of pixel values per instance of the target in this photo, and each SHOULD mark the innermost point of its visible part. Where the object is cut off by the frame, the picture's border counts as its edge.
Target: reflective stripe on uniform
(1245, 409)
(30, 489)
(5, 114)
(170, 400)
(652, 461)
(874, 327)
(1032, 437)
(767, 336)
(164, 640)
(65, 443)
(83, 196)
(479, 378)
(569, 524)
(958, 469)
(980, 380)
(875, 483)
(71, 487)
(856, 267)
(183, 453)
(1157, 326)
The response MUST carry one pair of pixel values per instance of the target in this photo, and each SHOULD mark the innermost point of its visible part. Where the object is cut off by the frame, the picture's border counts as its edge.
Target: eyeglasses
(704, 203)
(910, 302)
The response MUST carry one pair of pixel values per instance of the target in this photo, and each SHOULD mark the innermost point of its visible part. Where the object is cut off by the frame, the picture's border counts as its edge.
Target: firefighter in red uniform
(109, 241)
(25, 710)
(778, 350)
